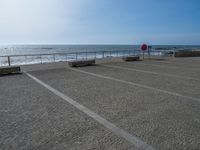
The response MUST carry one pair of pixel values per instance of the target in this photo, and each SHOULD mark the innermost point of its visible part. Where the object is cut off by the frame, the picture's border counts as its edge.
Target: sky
(100, 22)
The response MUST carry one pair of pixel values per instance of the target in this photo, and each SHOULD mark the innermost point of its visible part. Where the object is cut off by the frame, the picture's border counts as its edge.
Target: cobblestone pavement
(156, 101)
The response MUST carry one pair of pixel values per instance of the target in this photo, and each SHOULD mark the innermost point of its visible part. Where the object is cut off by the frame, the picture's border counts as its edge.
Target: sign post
(144, 47)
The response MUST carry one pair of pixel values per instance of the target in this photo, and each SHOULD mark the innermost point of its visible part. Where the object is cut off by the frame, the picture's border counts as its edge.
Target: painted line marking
(178, 62)
(116, 130)
(149, 72)
(162, 66)
(136, 84)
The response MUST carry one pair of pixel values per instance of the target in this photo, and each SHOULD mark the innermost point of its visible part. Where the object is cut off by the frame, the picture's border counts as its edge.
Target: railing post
(86, 55)
(25, 59)
(9, 61)
(149, 52)
(54, 58)
(41, 59)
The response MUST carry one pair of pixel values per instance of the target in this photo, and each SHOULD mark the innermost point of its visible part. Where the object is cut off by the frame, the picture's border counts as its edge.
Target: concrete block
(131, 58)
(80, 63)
(9, 70)
(187, 54)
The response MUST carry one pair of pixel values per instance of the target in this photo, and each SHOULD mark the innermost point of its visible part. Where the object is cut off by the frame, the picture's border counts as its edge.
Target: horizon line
(95, 44)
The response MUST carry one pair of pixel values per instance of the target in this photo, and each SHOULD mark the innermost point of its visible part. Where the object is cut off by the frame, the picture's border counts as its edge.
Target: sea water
(46, 51)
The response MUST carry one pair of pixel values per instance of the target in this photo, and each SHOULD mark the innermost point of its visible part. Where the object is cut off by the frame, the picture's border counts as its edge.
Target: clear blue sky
(100, 21)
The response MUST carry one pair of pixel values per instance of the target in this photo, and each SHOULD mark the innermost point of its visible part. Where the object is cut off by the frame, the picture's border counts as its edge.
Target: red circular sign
(144, 47)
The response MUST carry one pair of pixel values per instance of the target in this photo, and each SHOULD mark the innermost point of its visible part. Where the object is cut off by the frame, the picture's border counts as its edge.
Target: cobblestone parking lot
(150, 104)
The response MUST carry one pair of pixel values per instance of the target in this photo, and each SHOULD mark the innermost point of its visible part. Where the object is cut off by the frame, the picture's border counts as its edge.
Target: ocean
(45, 53)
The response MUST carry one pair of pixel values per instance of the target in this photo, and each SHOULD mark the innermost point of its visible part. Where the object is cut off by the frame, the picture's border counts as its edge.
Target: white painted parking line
(174, 62)
(150, 72)
(116, 130)
(136, 84)
(162, 66)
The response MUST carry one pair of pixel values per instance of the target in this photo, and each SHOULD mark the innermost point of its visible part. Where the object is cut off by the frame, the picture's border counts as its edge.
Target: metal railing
(58, 57)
